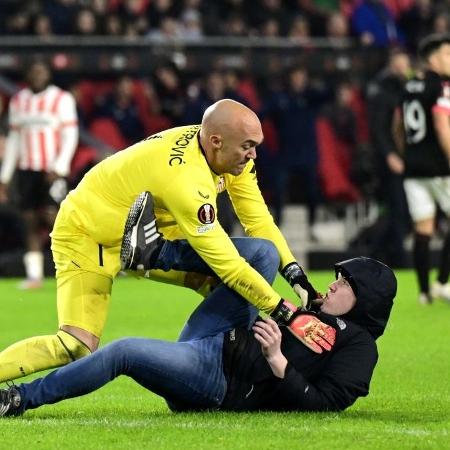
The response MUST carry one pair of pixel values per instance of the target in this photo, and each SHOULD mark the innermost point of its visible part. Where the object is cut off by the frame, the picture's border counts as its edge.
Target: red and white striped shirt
(43, 132)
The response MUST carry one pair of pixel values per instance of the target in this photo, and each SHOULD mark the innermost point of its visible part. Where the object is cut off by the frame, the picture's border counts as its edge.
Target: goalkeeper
(184, 169)
(254, 366)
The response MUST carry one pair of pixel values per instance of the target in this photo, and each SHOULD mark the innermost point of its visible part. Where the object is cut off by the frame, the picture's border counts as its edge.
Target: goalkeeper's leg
(40, 353)
(83, 303)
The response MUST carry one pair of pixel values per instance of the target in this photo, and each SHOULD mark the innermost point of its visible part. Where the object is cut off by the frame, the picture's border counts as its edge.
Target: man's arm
(69, 135)
(11, 147)
(441, 122)
(196, 218)
(254, 215)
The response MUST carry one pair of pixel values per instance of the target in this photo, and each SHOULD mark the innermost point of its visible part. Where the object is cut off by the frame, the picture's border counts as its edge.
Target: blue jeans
(188, 374)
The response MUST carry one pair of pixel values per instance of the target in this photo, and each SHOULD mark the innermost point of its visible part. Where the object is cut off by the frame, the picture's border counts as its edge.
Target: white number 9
(414, 121)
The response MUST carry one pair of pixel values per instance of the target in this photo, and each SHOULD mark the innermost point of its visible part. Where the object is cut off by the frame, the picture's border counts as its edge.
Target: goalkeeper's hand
(297, 278)
(307, 328)
(313, 333)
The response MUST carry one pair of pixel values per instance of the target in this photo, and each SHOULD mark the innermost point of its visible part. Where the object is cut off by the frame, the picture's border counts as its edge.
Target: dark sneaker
(141, 241)
(10, 402)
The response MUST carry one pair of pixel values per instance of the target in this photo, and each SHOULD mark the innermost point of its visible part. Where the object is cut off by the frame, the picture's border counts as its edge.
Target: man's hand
(297, 278)
(269, 336)
(3, 193)
(283, 312)
(58, 190)
(395, 163)
(316, 335)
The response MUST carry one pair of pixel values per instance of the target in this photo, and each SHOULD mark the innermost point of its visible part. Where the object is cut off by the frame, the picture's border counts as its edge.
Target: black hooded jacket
(330, 381)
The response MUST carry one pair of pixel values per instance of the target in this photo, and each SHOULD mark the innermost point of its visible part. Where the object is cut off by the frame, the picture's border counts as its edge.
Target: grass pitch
(408, 405)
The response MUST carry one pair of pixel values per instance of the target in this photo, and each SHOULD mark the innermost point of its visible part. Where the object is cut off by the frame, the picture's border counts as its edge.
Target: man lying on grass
(254, 366)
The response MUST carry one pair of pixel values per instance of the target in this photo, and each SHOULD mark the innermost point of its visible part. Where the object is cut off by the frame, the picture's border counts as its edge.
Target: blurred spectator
(269, 9)
(169, 28)
(19, 23)
(134, 14)
(234, 25)
(417, 21)
(191, 25)
(100, 7)
(241, 88)
(337, 26)
(293, 111)
(398, 7)
(61, 14)
(317, 12)
(42, 139)
(113, 25)
(338, 146)
(169, 90)
(383, 95)
(42, 26)
(269, 28)
(159, 10)
(121, 106)
(299, 28)
(86, 23)
(375, 25)
(214, 89)
(441, 22)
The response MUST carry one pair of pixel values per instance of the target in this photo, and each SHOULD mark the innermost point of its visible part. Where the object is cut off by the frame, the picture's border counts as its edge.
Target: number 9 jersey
(424, 95)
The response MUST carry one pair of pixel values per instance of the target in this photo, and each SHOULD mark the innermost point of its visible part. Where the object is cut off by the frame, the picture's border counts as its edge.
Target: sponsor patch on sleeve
(205, 228)
(206, 213)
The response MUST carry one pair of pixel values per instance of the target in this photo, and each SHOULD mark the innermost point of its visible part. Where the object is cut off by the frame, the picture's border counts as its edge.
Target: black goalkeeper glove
(307, 328)
(297, 278)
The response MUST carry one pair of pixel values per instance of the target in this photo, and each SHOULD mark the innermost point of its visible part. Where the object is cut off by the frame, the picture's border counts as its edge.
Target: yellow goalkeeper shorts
(84, 275)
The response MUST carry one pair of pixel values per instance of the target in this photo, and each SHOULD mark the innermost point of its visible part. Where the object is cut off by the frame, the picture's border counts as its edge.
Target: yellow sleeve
(253, 213)
(192, 202)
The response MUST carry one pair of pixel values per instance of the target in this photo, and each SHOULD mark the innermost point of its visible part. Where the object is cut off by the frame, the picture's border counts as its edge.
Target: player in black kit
(425, 111)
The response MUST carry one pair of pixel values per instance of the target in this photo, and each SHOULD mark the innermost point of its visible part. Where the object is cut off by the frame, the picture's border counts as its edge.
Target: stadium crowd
(374, 22)
(331, 114)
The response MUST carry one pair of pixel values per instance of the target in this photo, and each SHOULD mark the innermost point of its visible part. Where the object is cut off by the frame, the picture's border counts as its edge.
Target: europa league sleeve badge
(206, 214)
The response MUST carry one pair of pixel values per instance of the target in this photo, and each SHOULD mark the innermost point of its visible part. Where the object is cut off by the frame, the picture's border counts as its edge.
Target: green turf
(408, 407)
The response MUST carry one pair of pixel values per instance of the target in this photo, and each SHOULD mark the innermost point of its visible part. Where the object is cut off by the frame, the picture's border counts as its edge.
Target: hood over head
(375, 286)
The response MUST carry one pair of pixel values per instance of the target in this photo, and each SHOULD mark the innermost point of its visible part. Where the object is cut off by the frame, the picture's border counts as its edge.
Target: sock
(34, 265)
(444, 264)
(422, 261)
(40, 353)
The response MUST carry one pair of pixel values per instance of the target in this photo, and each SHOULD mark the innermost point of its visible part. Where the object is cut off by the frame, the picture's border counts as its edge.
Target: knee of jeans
(268, 254)
(273, 259)
(121, 348)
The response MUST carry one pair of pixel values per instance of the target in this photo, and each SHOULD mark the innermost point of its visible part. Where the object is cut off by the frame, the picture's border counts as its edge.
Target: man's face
(38, 77)
(237, 149)
(339, 299)
(440, 60)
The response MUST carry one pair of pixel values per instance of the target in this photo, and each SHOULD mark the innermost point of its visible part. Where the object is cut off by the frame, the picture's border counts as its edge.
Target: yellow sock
(40, 353)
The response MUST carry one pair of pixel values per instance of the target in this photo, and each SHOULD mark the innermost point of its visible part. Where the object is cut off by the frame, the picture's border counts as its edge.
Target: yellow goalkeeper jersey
(172, 166)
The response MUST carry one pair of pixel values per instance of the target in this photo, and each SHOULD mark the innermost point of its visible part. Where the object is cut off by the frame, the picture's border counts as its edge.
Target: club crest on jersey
(220, 185)
(206, 213)
(341, 324)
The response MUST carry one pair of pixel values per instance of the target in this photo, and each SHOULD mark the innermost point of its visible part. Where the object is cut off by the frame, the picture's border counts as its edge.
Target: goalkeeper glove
(307, 328)
(297, 278)
(316, 335)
